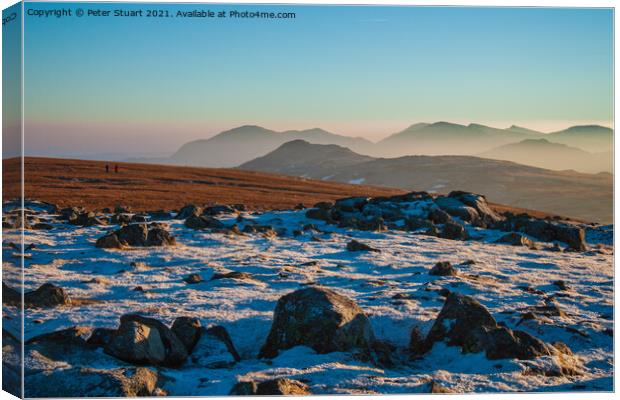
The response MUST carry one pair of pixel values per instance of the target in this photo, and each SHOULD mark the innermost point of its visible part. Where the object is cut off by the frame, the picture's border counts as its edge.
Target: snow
(67, 257)
(358, 181)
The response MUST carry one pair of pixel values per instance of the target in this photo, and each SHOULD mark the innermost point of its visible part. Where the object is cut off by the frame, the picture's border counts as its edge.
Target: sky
(145, 86)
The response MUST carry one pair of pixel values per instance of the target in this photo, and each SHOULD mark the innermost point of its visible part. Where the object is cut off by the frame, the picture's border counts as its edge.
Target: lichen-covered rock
(143, 340)
(318, 318)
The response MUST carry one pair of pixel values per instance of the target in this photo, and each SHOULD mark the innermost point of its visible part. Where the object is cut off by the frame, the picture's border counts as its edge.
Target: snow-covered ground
(67, 257)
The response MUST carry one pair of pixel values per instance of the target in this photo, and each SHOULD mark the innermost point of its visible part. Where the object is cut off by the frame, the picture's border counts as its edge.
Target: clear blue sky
(97, 85)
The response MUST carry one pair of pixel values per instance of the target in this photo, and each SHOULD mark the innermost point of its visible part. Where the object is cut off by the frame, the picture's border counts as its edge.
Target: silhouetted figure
(116, 169)
(107, 168)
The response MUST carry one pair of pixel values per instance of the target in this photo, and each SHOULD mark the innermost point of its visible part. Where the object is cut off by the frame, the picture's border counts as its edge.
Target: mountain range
(585, 196)
(239, 145)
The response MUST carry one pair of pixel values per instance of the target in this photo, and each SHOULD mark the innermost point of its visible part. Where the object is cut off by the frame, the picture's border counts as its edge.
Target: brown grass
(147, 187)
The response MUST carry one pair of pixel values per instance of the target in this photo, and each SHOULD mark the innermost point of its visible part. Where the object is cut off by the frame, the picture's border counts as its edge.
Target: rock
(89, 382)
(158, 236)
(516, 239)
(187, 329)
(324, 214)
(266, 230)
(457, 209)
(354, 245)
(42, 226)
(160, 215)
(48, 295)
(351, 204)
(193, 278)
(560, 284)
(243, 276)
(203, 222)
(434, 387)
(100, 337)
(486, 216)
(319, 318)
(143, 340)
(547, 231)
(466, 323)
(139, 218)
(439, 216)
(282, 387)
(121, 209)
(109, 241)
(214, 349)
(273, 387)
(244, 389)
(218, 209)
(64, 338)
(121, 219)
(454, 231)
(443, 269)
(137, 235)
(188, 211)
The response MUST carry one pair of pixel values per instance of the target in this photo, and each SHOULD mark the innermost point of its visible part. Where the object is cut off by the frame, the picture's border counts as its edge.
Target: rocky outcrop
(137, 235)
(466, 323)
(546, 231)
(318, 318)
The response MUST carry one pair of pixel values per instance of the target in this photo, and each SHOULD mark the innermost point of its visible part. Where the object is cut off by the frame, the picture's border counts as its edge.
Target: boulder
(354, 245)
(47, 295)
(351, 204)
(187, 329)
(143, 340)
(242, 276)
(218, 209)
(453, 231)
(466, 323)
(272, 387)
(457, 209)
(158, 236)
(89, 382)
(188, 211)
(203, 222)
(324, 214)
(443, 268)
(318, 318)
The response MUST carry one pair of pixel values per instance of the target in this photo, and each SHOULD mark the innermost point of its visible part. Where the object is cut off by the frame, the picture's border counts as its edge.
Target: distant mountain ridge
(545, 154)
(239, 145)
(585, 196)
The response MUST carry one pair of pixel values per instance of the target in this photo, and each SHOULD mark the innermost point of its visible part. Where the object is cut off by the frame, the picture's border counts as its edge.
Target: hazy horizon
(132, 86)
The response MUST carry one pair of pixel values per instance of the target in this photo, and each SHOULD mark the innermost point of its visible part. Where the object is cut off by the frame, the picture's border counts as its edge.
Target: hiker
(116, 168)
(107, 168)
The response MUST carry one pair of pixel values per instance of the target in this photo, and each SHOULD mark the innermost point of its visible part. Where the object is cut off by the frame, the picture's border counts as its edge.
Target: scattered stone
(319, 318)
(443, 268)
(560, 284)
(242, 276)
(354, 245)
(137, 235)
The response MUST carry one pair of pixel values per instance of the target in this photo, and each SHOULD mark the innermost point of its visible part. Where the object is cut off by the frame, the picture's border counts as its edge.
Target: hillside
(545, 154)
(584, 196)
(154, 187)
